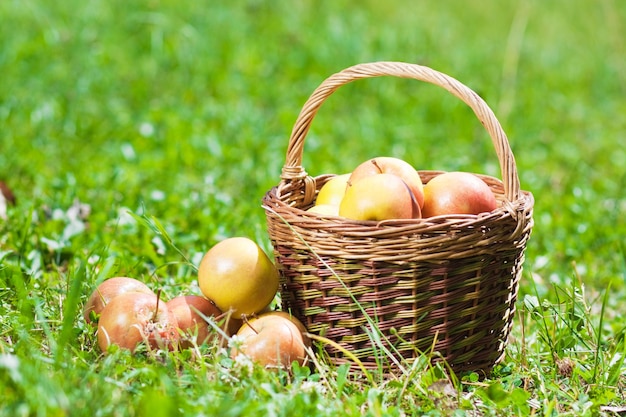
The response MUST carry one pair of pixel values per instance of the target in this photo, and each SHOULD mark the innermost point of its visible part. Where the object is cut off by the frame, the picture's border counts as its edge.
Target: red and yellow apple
(108, 290)
(189, 311)
(134, 317)
(391, 165)
(238, 277)
(379, 197)
(457, 193)
(274, 339)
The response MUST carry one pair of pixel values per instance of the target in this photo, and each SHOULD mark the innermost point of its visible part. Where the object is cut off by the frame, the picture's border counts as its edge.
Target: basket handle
(293, 170)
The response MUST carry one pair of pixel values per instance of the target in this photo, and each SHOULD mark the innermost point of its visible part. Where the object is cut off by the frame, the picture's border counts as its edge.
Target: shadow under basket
(387, 292)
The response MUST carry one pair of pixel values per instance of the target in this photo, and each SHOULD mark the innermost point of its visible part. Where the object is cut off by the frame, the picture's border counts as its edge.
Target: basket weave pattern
(447, 284)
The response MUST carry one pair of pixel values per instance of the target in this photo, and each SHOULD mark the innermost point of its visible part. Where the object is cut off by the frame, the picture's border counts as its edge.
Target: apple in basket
(391, 165)
(333, 190)
(457, 193)
(379, 197)
(238, 277)
(273, 340)
(326, 209)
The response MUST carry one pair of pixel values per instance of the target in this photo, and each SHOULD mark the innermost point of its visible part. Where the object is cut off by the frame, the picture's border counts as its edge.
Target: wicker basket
(388, 292)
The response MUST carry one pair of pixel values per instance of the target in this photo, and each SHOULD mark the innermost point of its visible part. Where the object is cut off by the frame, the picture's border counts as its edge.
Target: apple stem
(246, 321)
(156, 310)
(376, 165)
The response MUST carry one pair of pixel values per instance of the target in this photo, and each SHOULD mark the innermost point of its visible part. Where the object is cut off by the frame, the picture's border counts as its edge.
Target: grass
(180, 115)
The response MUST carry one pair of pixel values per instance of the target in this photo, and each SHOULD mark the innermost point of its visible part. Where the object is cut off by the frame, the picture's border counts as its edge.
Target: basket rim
(293, 171)
(278, 205)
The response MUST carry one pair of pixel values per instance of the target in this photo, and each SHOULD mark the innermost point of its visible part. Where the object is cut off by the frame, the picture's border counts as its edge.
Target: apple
(230, 324)
(273, 340)
(391, 165)
(7, 193)
(379, 197)
(135, 317)
(7, 198)
(238, 277)
(327, 209)
(297, 322)
(108, 290)
(333, 190)
(188, 311)
(457, 193)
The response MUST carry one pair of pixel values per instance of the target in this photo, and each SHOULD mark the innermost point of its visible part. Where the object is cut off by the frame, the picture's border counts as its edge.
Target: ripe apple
(230, 324)
(273, 340)
(193, 328)
(391, 165)
(330, 209)
(457, 193)
(108, 290)
(333, 190)
(238, 277)
(135, 317)
(379, 197)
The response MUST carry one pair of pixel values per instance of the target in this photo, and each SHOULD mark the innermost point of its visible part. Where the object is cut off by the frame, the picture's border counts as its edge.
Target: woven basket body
(390, 291)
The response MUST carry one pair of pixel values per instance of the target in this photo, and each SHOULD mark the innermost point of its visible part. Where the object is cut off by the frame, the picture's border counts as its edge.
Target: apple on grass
(190, 312)
(379, 197)
(135, 317)
(109, 289)
(391, 165)
(238, 277)
(273, 340)
(457, 193)
(7, 198)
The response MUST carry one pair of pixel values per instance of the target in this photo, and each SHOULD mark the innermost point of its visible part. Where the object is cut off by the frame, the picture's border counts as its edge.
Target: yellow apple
(274, 339)
(379, 197)
(391, 165)
(331, 209)
(333, 190)
(238, 277)
(457, 193)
